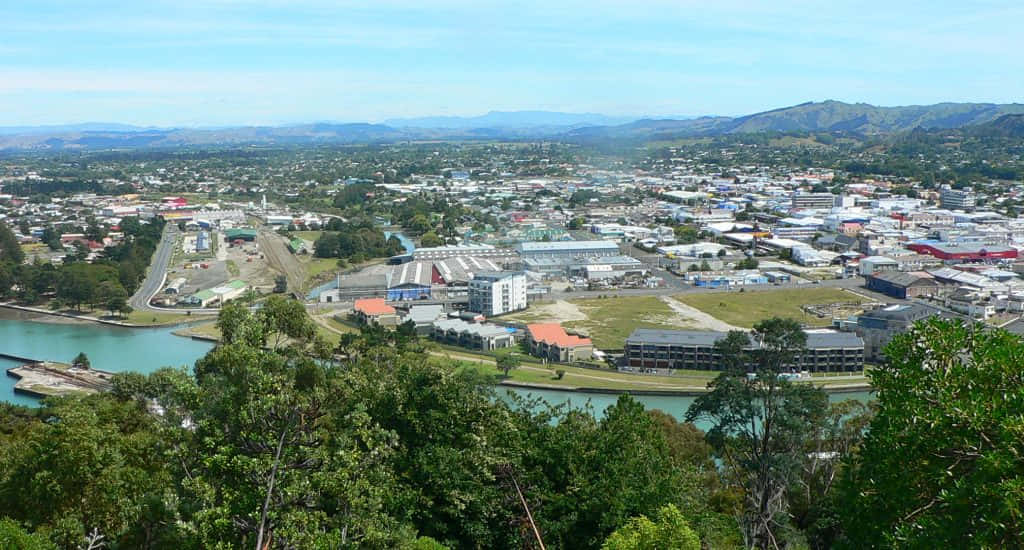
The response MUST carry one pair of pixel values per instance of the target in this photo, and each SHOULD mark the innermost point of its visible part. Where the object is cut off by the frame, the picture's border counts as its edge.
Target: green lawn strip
(745, 309)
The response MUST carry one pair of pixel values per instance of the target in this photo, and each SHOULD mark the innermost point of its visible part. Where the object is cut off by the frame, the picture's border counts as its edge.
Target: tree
(760, 425)
(940, 466)
(96, 466)
(430, 239)
(15, 537)
(81, 361)
(10, 249)
(669, 530)
(577, 223)
(506, 362)
(721, 253)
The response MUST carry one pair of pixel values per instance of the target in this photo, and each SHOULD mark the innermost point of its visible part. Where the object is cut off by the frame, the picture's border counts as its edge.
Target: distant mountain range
(827, 116)
(512, 119)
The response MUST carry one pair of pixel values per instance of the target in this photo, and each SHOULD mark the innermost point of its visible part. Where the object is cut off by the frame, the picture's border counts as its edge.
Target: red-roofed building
(551, 342)
(375, 310)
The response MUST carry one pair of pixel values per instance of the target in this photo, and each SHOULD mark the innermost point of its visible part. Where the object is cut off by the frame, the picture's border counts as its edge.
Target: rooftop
(554, 334)
(373, 306)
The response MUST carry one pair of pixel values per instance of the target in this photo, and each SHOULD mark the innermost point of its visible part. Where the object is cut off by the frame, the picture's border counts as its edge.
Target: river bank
(10, 310)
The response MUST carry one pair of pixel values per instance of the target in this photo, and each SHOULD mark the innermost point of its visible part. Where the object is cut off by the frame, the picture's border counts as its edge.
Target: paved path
(702, 320)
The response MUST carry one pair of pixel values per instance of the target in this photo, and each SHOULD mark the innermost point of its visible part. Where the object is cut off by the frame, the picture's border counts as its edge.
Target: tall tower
(264, 203)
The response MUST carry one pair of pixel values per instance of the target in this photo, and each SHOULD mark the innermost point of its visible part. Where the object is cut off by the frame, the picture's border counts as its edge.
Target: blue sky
(221, 62)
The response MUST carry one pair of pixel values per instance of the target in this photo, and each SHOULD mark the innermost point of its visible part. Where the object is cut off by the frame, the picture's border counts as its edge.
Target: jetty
(49, 378)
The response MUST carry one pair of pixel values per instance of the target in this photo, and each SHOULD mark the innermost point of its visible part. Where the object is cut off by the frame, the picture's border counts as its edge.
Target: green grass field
(608, 320)
(316, 266)
(308, 235)
(611, 320)
(745, 309)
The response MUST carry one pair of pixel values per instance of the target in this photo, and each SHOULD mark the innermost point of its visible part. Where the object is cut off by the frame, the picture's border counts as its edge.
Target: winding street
(157, 271)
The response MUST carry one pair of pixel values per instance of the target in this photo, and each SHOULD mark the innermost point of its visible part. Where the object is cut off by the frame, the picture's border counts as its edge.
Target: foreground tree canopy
(943, 463)
(274, 440)
(263, 445)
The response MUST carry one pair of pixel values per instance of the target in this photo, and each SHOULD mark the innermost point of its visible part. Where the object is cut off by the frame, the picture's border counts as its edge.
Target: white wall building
(496, 292)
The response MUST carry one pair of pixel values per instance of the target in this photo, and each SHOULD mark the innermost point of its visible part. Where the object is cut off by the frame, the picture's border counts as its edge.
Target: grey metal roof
(563, 246)
(903, 279)
(902, 312)
(819, 340)
(815, 340)
(479, 329)
(424, 314)
(675, 337)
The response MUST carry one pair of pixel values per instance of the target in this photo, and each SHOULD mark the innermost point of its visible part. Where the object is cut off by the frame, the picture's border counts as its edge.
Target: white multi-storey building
(495, 292)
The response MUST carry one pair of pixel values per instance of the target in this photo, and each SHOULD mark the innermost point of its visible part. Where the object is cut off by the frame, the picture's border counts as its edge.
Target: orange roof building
(551, 342)
(375, 310)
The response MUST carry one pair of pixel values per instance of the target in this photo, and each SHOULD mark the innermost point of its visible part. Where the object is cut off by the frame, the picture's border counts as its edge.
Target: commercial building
(689, 349)
(958, 199)
(550, 341)
(218, 295)
(903, 285)
(481, 336)
(875, 264)
(878, 327)
(568, 249)
(242, 234)
(497, 292)
(409, 281)
(480, 250)
(804, 201)
(375, 310)
(964, 252)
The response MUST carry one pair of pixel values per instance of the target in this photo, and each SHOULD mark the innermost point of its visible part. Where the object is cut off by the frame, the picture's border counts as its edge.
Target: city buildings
(826, 351)
(903, 285)
(808, 201)
(878, 327)
(478, 336)
(958, 199)
(496, 292)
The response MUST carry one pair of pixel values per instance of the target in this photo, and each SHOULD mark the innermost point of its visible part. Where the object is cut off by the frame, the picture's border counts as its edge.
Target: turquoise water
(109, 348)
(673, 405)
(145, 350)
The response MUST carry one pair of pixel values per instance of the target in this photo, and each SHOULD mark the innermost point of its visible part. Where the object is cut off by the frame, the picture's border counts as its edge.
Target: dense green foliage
(668, 530)
(266, 445)
(942, 464)
(270, 443)
(355, 241)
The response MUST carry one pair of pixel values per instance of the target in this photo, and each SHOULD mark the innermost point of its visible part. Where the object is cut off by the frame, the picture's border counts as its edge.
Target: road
(157, 270)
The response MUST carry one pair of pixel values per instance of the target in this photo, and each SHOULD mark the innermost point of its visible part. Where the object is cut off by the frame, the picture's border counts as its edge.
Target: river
(120, 349)
(674, 405)
(109, 348)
